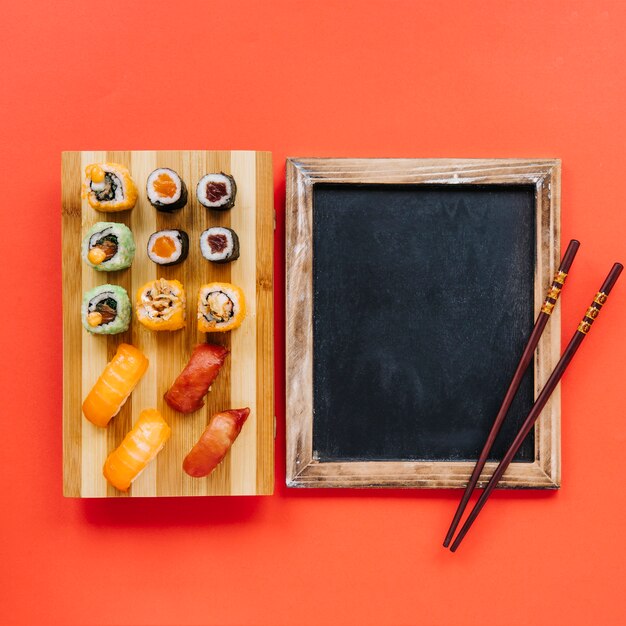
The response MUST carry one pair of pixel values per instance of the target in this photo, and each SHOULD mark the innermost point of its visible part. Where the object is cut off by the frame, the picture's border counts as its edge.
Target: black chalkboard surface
(422, 303)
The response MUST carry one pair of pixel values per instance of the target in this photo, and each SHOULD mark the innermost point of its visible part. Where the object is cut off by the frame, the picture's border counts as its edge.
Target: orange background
(414, 79)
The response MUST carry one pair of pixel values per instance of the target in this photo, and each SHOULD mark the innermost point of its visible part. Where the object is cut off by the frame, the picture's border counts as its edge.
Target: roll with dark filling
(109, 187)
(219, 244)
(217, 191)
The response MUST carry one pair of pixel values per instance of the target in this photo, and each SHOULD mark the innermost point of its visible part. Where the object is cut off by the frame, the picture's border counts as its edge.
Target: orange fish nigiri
(215, 442)
(138, 448)
(115, 384)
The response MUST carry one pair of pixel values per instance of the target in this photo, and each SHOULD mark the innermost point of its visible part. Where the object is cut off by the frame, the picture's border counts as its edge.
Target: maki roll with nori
(221, 307)
(217, 191)
(161, 305)
(108, 247)
(166, 190)
(106, 310)
(108, 187)
(219, 244)
(168, 247)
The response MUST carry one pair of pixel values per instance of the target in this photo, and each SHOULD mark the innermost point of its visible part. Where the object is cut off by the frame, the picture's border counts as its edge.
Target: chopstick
(580, 333)
(527, 355)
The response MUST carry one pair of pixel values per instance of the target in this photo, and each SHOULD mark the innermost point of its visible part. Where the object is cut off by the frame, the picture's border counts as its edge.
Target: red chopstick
(527, 355)
(580, 333)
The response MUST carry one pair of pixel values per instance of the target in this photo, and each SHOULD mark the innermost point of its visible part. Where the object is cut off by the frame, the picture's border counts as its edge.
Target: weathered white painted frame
(302, 174)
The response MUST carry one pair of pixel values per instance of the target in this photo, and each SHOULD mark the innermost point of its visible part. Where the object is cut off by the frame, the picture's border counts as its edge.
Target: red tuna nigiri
(193, 383)
(215, 442)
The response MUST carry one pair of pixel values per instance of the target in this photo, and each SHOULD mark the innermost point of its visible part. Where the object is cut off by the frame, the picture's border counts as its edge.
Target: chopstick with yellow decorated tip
(542, 319)
(581, 332)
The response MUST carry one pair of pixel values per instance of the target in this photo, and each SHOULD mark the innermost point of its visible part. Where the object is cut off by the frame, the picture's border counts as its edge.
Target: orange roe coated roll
(221, 307)
(109, 187)
(160, 305)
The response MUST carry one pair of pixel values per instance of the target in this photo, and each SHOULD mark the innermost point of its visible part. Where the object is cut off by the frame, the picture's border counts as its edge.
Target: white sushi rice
(214, 178)
(173, 235)
(153, 196)
(120, 189)
(205, 246)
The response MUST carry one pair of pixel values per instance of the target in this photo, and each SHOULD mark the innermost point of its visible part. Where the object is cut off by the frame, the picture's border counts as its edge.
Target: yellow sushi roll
(160, 305)
(221, 307)
(109, 188)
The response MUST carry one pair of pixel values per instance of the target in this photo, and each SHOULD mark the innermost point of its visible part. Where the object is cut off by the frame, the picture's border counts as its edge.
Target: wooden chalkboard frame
(303, 470)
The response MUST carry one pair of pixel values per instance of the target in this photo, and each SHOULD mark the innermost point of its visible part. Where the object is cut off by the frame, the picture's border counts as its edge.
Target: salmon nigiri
(115, 384)
(138, 448)
(215, 442)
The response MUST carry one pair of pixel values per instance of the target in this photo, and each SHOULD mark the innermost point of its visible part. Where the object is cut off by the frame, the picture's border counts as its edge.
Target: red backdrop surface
(413, 79)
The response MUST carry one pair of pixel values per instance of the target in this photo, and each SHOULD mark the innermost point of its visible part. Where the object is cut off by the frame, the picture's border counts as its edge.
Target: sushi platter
(167, 323)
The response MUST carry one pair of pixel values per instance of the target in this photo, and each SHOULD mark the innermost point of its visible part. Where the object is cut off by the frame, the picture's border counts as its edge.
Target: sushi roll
(108, 187)
(219, 244)
(108, 247)
(106, 310)
(221, 307)
(161, 305)
(168, 247)
(166, 190)
(217, 191)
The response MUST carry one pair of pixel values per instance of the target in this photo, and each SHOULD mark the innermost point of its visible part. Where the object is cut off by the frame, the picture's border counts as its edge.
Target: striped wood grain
(247, 376)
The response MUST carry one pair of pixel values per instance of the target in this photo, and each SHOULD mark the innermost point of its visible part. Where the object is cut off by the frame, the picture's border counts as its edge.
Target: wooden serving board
(246, 378)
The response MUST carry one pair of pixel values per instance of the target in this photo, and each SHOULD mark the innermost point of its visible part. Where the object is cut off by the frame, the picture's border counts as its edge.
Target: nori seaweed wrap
(166, 190)
(217, 191)
(168, 247)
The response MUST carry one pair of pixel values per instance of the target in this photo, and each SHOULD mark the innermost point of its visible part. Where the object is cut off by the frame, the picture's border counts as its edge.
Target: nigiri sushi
(215, 442)
(193, 383)
(115, 384)
(138, 448)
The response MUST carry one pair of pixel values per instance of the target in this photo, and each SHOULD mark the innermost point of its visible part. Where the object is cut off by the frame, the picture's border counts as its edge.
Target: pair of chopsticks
(544, 315)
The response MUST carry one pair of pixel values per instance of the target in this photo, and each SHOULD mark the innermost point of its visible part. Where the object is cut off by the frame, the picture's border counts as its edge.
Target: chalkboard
(422, 304)
(412, 286)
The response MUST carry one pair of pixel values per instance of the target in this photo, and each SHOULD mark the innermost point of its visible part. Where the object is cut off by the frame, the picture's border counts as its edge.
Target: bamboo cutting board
(246, 379)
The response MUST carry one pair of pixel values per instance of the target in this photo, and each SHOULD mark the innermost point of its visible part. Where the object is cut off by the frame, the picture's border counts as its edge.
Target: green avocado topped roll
(106, 310)
(108, 247)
